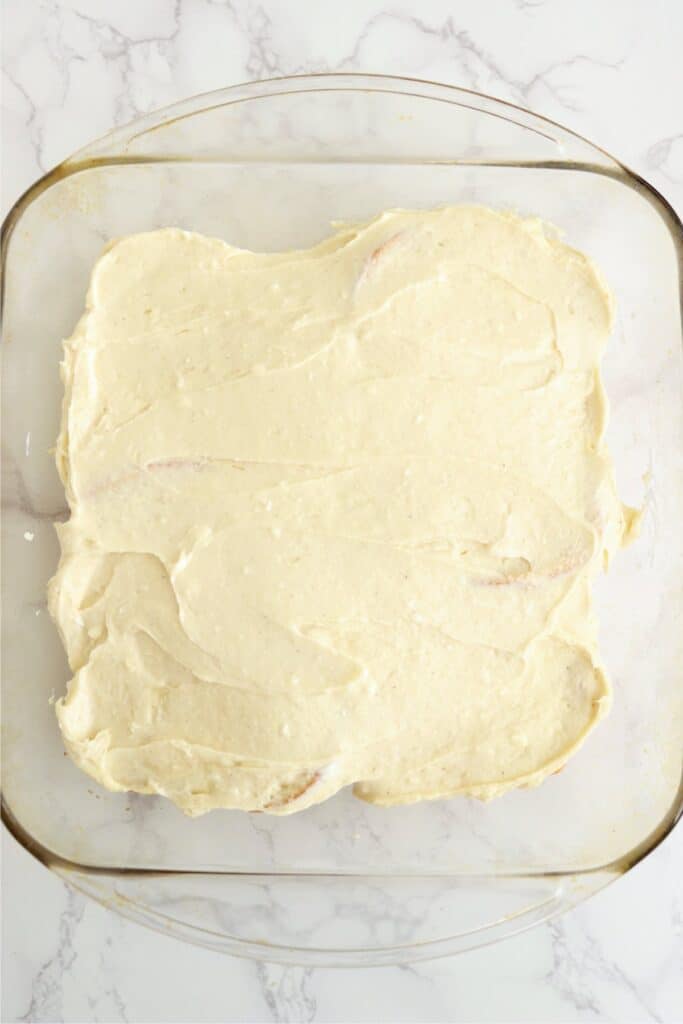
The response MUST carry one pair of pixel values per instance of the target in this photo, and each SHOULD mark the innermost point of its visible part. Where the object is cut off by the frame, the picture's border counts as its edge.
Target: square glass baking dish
(269, 166)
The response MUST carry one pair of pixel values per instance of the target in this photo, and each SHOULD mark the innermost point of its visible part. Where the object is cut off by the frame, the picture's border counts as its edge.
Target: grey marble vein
(286, 993)
(580, 971)
(46, 992)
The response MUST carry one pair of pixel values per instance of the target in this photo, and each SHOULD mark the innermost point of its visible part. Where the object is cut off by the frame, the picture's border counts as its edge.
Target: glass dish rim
(103, 152)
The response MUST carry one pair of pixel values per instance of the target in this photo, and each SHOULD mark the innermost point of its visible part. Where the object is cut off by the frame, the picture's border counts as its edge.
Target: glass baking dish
(269, 166)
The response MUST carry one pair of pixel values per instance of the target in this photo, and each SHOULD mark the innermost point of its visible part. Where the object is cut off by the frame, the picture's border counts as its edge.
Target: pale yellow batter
(335, 513)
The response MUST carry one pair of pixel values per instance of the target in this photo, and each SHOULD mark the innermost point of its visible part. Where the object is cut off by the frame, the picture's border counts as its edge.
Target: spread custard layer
(335, 513)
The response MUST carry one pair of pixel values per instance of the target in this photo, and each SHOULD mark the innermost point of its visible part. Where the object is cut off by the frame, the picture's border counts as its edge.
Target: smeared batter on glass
(335, 513)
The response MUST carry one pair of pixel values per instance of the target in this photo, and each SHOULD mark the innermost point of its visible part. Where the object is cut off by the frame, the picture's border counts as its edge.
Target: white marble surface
(612, 71)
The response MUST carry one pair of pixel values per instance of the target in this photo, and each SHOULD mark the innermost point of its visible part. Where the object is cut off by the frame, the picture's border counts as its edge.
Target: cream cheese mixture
(335, 513)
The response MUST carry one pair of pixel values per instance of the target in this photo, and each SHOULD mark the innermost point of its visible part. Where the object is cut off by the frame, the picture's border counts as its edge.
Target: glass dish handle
(336, 920)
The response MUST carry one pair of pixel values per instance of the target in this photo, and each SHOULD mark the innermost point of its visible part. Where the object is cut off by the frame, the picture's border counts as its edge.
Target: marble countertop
(612, 71)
